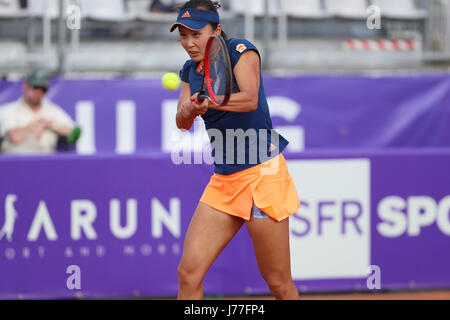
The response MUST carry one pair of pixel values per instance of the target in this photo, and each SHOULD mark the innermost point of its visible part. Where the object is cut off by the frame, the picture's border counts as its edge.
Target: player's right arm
(188, 110)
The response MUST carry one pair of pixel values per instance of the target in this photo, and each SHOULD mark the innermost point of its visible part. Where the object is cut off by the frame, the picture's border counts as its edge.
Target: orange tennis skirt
(268, 185)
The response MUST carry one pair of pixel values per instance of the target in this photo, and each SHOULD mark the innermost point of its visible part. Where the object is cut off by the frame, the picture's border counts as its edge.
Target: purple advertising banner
(369, 157)
(137, 115)
(114, 226)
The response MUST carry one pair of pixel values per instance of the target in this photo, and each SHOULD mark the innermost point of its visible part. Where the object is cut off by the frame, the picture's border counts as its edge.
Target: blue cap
(195, 19)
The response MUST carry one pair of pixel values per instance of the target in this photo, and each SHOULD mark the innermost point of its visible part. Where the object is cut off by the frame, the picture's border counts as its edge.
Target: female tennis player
(237, 192)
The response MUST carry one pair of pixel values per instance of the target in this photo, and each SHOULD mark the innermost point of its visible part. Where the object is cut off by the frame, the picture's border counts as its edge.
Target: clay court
(393, 295)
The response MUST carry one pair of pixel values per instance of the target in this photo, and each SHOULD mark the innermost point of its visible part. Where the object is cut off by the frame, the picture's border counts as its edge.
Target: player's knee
(279, 284)
(188, 276)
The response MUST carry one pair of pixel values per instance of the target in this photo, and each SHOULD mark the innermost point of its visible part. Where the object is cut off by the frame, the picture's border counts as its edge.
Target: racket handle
(199, 99)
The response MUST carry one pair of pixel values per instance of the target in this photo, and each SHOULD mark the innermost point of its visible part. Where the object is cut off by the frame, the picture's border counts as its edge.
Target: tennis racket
(218, 75)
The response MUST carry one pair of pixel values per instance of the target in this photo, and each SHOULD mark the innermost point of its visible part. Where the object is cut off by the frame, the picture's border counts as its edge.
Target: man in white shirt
(33, 124)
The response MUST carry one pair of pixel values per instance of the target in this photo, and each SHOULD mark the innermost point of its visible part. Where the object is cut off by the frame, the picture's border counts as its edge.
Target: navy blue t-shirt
(239, 140)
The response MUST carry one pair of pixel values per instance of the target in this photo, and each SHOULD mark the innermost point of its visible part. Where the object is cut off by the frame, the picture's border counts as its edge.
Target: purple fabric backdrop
(33, 264)
(316, 111)
(365, 205)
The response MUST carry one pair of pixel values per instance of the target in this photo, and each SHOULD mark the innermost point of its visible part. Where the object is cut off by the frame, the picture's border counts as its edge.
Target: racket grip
(199, 100)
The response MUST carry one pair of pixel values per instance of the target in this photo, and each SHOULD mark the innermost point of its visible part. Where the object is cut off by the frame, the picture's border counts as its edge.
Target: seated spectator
(23, 4)
(33, 124)
(158, 6)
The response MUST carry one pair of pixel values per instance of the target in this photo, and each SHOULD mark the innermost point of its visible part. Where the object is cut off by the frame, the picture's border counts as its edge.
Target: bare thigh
(271, 244)
(208, 234)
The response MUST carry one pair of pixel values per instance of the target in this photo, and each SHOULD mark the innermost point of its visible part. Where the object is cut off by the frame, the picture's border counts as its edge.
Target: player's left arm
(247, 74)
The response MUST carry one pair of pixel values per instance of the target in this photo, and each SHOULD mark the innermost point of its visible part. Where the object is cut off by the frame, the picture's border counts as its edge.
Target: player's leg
(208, 234)
(271, 243)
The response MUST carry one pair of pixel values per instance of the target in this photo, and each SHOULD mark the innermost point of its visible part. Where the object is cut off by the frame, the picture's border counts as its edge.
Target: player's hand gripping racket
(217, 78)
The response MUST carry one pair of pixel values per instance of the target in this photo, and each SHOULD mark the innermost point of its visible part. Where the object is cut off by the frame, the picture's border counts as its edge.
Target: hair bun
(217, 4)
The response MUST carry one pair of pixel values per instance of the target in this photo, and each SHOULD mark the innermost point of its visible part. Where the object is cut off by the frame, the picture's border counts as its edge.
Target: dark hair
(209, 5)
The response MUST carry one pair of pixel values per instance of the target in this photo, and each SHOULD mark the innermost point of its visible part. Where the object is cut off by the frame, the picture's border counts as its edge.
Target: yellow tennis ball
(170, 81)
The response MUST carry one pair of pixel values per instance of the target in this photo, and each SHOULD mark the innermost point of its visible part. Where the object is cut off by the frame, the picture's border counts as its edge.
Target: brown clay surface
(407, 295)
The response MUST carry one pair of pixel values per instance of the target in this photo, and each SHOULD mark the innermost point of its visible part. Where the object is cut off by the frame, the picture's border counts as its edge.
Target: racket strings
(217, 87)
